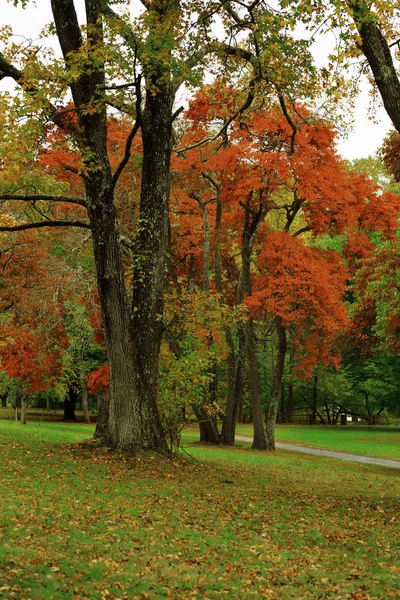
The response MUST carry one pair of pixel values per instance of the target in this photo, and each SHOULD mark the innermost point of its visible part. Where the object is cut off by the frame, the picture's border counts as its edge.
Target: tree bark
(24, 406)
(209, 433)
(235, 385)
(277, 384)
(133, 346)
(150, 251)
(69, 404)
(102, 418)
(84, 394)
(377, 52)
(259, 439)
(252, 220)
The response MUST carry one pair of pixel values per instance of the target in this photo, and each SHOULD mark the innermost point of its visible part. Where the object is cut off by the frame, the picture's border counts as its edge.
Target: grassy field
(382, 442)
(84, 523)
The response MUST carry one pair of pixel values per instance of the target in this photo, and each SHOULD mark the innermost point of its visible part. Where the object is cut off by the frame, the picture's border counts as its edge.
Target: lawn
(84, 523)
(367, 441)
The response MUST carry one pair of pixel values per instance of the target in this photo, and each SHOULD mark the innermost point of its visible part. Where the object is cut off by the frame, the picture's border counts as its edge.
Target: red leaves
(33, 335)
(304, 286)
(99, 380)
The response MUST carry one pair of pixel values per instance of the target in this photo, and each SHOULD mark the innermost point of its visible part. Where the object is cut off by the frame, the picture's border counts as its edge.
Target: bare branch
(300, 231)
(211, 180)
(122, 86)
(129, 139)
(177, 113)
(289, 120)
(41, 224)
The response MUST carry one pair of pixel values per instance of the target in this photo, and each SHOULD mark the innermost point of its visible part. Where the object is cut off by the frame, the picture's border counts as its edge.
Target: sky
(363, 140)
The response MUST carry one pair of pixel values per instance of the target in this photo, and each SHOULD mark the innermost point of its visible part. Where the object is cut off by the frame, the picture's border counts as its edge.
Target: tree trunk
(150, 251)
(24, 406)
(313, 416)
(102, 418)
(134, 421)
(208, 427)
(278, 378)
(4, 397)
(377, 51)
(69, 404)
(84, 393)
(289, 404)
(259, 439)
(235, 386)
(251, 224)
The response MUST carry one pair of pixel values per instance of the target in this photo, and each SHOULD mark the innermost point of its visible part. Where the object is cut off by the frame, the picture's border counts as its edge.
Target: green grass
(362, 440)
(84, 523)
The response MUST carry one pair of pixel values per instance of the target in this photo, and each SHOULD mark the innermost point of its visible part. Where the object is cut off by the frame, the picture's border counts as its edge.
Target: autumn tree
(165, 46)
(279, 182)
(33, 337)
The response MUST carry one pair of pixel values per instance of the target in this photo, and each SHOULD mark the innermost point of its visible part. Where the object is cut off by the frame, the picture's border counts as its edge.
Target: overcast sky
(364, 140)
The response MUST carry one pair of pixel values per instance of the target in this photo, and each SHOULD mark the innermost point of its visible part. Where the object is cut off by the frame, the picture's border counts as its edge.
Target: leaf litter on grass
(106, 526)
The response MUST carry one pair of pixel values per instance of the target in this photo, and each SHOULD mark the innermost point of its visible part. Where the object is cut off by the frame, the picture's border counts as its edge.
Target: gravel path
(383, 462)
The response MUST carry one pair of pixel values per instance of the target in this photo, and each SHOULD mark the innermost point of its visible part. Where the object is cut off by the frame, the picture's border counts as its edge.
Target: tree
(273, 189)
(163, 48)
(32, 336)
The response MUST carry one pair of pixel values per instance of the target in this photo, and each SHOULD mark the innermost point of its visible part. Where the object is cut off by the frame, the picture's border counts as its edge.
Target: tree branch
(223, 130)
(51, 112)
(41, 224)
(300, 231)
(129, 139)
(377, 51)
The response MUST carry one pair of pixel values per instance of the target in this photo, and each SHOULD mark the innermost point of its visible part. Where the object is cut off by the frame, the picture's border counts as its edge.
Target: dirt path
(383, 462)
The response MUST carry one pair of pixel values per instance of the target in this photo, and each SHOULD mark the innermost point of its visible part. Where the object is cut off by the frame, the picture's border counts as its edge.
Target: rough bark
(277, 384)
(132, 350)
(102, 418)
(377, 52)
(150, 252)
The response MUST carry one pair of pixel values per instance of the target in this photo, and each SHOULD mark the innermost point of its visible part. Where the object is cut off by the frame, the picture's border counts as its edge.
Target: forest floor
(79, 522)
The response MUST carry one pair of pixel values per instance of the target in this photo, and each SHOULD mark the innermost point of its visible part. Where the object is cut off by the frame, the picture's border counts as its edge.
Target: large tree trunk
(102, 417)
(277, 384)
(133, 351)
(150, 253)
(124, 429)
